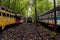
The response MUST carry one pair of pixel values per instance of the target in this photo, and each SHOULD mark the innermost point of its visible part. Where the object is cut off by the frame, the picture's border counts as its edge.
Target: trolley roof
(50, 11)
(4, 8)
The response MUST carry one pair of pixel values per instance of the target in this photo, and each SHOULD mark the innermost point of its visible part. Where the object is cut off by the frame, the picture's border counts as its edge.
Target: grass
(53, 34)
(38, 24)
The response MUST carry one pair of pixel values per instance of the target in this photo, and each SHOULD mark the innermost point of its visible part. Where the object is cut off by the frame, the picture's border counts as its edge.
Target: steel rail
(38, 32)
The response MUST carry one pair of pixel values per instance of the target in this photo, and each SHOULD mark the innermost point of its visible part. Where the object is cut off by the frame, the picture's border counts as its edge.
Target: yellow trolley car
(7, 17)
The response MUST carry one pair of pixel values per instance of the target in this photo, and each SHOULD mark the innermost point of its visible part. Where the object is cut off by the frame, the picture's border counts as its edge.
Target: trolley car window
(11, 15)
(2, 8)
(7, 15)
(9, 11)
(3, 14)
(58, 14)
(6, 10)
(18, 18)
(0, 13)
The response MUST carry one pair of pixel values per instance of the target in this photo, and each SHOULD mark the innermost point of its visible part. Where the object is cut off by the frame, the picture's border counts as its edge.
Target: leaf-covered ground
(27, 32)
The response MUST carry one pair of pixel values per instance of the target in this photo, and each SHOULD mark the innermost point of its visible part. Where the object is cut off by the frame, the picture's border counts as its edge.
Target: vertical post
(35, 11)
(55, 13)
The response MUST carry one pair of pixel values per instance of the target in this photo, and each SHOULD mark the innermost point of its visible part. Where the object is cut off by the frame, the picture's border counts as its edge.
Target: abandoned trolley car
(8, 17)
(49, 18)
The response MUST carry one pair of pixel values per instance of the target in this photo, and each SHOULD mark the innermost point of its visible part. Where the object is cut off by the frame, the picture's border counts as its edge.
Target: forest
(27, 7)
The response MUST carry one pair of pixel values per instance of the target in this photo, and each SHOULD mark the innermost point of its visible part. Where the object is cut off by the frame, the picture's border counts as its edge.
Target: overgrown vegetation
(22, 6)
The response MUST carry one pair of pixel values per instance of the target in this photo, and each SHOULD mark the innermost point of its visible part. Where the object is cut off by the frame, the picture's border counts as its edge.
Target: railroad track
(31, 27)
(11, 32)
(38, 32)
(31, 30)
(23, 32)
(27, 31)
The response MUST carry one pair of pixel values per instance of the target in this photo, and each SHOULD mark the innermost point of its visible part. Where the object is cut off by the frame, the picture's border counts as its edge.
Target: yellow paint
(6, 20)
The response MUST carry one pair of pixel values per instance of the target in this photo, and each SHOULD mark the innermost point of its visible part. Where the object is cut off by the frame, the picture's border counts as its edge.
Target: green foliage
(53, 34)
(43, 6)
(0, 2)
(21, 6)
